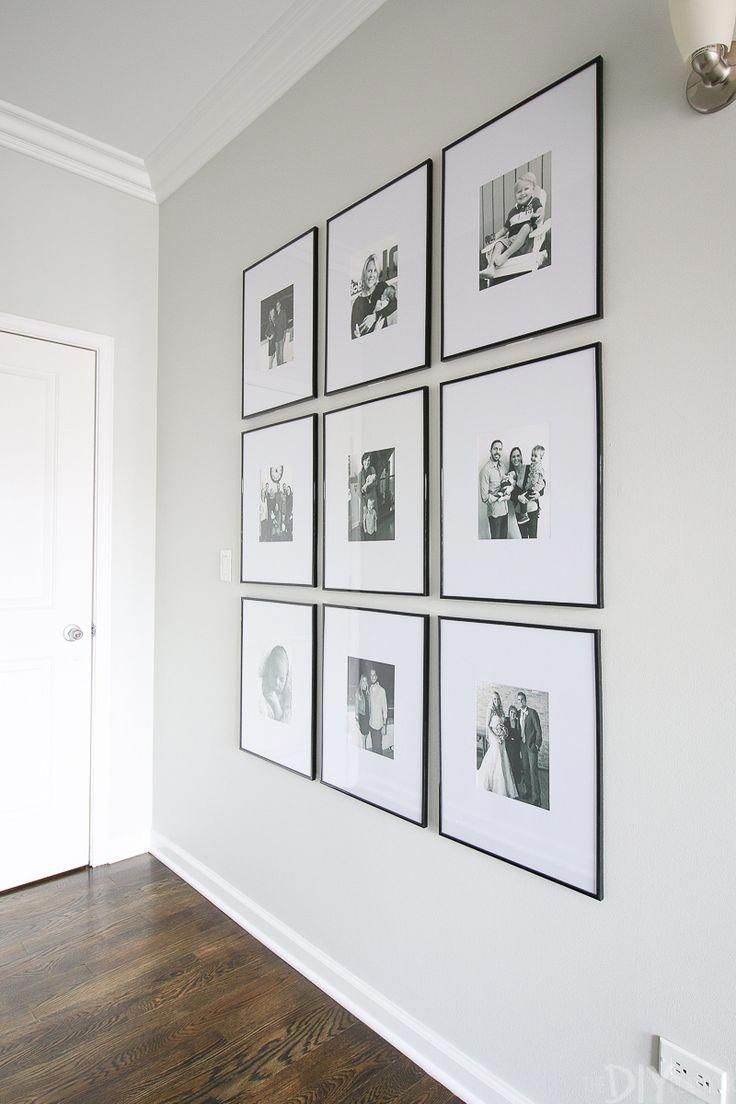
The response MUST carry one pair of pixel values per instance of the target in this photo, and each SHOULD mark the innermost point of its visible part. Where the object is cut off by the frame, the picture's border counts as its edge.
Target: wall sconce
(704, 32)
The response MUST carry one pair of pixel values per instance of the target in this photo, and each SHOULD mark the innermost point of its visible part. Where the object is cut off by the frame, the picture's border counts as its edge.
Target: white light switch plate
(692, 1074)
(226, 565)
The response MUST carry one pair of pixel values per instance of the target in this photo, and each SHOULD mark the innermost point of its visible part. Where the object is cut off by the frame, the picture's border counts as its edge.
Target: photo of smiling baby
(275, 701)
(516, 223)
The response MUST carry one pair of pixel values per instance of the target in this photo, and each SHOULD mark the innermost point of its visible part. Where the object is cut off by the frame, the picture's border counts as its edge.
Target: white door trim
(104, 350)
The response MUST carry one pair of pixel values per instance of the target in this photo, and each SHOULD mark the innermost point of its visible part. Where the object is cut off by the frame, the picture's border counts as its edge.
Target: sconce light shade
(699, 23)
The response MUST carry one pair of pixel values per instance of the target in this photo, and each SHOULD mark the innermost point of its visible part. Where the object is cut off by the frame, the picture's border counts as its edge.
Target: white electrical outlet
(691, 1073)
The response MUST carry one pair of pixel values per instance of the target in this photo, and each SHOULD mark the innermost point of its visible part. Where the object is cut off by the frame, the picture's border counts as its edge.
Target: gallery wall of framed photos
(437, 500)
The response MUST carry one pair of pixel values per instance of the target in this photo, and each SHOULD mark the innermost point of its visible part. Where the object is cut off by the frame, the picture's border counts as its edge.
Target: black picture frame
(314, 232)
(596, 348)
(425, 618)
(312, 773)
(596, 62)
(595, 634)
(428, 163)
(423, 593)
(315, 454)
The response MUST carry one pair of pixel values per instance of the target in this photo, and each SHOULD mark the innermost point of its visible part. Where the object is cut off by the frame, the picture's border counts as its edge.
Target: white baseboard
(443, 1061)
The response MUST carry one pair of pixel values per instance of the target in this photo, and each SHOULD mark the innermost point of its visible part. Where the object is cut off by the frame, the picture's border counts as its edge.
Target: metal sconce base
(712, 84)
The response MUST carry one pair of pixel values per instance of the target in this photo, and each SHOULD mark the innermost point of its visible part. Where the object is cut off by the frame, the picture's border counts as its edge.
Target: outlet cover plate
(692, 1074)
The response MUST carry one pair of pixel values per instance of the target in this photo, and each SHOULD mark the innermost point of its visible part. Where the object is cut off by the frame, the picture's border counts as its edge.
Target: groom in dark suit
(531, 742)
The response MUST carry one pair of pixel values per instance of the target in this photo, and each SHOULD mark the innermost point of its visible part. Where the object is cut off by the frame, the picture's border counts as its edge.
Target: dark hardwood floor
(121, 985)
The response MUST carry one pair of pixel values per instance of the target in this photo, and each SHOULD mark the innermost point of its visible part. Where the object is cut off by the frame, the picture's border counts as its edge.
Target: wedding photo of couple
(511, 486)
(512, 743)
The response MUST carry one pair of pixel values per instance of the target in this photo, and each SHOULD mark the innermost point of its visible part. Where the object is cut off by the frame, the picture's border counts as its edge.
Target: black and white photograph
(277, 686)
(375, 495)
(275, 676)
(516, 222)
(511, 267)
(522, 477)
(374, 708)
(514, 491)
(277, 328)
(374, 327)
(370, 705)
(276, 508)
(372, 495)
(374, 289)
(279, 503)
(512, 743)
(520, 746)
(280, 327)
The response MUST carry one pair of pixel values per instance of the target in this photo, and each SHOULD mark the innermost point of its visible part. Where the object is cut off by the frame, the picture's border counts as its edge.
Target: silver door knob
(73, 633)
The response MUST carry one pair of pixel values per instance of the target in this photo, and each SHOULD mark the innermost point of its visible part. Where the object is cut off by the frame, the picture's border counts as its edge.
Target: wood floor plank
(334, 1061)
(246, 1067)
(121, 985)
(71, 1042)
(427, 1091)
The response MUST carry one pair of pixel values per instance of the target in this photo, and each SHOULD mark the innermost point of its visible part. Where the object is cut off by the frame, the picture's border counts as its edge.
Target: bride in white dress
(494, 772)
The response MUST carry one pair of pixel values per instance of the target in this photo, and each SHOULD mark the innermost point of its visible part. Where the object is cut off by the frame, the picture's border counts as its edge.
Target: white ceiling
(125, 72)
(167, 83)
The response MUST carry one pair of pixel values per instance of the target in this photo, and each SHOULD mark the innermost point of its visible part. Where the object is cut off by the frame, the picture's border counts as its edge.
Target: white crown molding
(306, 32)
(24, 132)
(294, 44)
(437, 1056)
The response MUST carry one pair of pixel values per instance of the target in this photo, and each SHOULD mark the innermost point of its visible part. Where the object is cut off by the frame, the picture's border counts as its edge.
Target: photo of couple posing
(371, 705)
(511, 490)
(277, 327)
(512, 743)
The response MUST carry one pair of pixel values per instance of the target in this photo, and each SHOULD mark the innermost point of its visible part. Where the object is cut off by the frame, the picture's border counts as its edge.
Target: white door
(47, 412)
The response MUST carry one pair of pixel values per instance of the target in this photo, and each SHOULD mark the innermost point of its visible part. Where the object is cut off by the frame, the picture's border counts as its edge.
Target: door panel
(47, 396)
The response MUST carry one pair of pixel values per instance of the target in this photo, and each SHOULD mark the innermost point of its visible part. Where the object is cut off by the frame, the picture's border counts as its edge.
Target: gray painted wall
(537, 983)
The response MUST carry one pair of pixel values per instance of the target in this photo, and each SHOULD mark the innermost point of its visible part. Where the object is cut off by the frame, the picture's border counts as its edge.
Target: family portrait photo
(276, 507)
(512, 743)
(370, 705)
(516, 222)
(372, 495)
(513, 485)
(275, 681)
(277, 328)
(374, 289)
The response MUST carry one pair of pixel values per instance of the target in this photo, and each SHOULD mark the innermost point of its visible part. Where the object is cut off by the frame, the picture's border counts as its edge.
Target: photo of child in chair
(516, 223)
